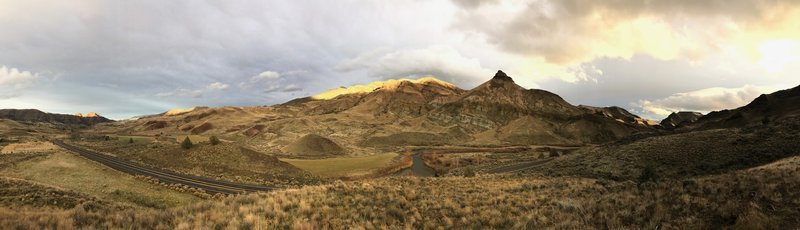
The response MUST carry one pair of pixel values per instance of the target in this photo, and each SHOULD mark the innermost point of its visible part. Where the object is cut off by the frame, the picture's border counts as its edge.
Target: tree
(130, 140)
(214, 140)
(186, 144)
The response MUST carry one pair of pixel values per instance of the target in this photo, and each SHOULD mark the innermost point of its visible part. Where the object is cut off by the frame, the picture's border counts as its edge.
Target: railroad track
(209, 185)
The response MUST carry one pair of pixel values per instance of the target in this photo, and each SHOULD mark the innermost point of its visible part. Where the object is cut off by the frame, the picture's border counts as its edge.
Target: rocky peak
(500, 75)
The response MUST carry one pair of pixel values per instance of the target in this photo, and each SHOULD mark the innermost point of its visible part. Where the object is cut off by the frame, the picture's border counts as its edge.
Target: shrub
(648, 175)
(469, 172)
(130, 140)
(553, 153)
(186, 144)
(213, 140)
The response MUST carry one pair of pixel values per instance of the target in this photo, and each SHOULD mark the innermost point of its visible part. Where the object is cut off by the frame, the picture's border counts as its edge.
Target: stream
(418, 167)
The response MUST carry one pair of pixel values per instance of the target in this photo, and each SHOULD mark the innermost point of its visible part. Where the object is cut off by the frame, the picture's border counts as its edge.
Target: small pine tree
(186, 144)
(214, 140)
(130, 140)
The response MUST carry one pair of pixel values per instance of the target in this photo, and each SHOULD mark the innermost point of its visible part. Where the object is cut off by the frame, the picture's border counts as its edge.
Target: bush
(130, 140)
(554, 153)
(186, 144)
(648, 175)
(213, 140)
(469, 172)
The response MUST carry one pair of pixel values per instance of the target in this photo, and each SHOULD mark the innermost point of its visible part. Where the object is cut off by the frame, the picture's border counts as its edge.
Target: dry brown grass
(344, 166)
(28, 147)
(226, 161)
(75, 173)
(760, 198)
(682, 155)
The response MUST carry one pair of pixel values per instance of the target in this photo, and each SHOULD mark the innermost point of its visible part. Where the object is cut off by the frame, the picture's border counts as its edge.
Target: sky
(127, 58)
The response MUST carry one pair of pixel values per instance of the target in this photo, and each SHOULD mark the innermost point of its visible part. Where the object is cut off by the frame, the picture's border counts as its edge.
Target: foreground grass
(760, 198)
(72, 172)
(343, 166)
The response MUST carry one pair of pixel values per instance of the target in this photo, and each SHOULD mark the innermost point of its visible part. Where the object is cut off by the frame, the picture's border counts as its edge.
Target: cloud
(174, 49)
(472, 3)
(266, 75)
(440, 61)
(705, 100)
(217, 86)
(14, 81)
(14, 78)
(555, 35)
(182, 93)
(196, 93)
(271, 81)
(292, 88)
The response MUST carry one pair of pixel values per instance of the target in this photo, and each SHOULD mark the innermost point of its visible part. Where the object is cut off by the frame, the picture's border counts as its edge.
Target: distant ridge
(405, 112)
(764, 109)
(33, 115)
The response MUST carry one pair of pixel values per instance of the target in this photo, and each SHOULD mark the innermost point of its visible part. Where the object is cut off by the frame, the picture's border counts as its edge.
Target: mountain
(620, 115)
(397, 113)
(502, 112)
(33, 115)
(765, 109)
(404, 96)
(675, 120)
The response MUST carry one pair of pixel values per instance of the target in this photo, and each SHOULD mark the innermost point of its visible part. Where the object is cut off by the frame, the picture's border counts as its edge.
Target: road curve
(209, 185)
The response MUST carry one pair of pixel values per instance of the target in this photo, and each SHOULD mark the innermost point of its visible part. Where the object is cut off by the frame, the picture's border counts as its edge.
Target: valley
(420, 154)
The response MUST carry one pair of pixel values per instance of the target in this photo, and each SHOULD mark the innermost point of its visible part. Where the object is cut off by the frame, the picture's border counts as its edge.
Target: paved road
(209, 185)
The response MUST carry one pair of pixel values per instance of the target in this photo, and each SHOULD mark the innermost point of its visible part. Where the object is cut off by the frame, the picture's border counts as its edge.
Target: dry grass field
(69, 171)
(28, 147)
(194, 138)
(136, 139)
(344, 166)
(226, 161)
(759, 198)
(682, 155)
